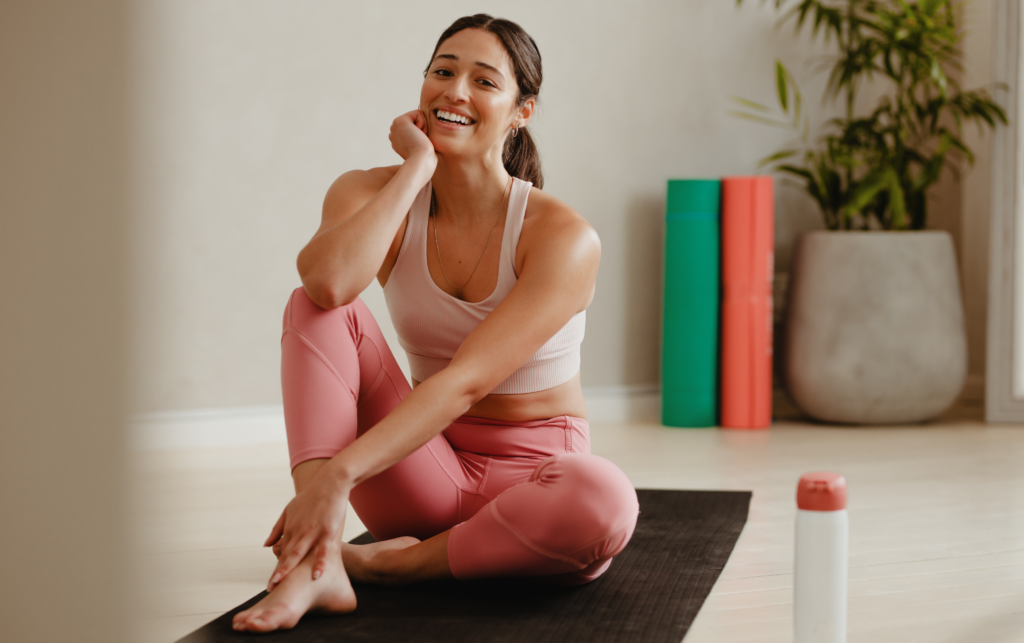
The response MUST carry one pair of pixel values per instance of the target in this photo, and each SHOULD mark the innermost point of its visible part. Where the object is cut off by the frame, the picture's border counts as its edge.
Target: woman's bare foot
(297, 594)
(375, 563)
(369, 563)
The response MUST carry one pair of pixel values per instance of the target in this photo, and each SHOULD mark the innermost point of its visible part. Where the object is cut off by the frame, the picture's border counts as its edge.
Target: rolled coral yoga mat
(689, 361)
(650, 594)
(748, 242)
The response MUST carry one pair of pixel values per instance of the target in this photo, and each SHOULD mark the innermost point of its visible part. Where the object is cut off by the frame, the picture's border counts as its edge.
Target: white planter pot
(875, 326)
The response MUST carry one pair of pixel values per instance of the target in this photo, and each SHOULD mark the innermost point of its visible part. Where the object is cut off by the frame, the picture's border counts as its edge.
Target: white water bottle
(822, 535)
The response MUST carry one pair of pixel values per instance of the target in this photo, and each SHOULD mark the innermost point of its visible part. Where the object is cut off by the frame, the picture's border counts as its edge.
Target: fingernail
(275, 578)
(316, 574)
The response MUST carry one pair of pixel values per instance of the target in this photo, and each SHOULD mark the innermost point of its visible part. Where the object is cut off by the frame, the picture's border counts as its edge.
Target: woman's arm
(556, 282)
(360, 219)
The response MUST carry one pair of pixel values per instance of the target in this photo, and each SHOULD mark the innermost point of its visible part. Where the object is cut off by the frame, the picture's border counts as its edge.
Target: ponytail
(521, 158)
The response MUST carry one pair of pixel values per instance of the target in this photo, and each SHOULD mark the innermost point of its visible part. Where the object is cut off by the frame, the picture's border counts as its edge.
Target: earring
(515, 130)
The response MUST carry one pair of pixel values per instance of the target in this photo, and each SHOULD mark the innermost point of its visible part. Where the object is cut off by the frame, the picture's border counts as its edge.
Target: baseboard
(632, 403)
(246, 425)
(237, 426)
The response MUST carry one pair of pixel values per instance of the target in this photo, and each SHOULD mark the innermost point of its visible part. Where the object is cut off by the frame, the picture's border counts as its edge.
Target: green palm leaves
(873, 171)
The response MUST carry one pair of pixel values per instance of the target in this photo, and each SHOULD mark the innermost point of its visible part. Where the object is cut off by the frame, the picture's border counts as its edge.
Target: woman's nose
(457, 90)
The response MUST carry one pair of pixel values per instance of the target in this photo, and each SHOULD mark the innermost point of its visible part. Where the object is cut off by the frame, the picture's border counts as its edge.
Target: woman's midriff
(564, 399)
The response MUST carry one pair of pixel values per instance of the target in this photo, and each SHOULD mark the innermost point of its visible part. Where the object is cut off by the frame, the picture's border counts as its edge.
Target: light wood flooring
(936, 526)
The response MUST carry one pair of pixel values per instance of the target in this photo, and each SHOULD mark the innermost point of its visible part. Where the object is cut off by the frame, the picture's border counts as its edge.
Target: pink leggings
(521, 498)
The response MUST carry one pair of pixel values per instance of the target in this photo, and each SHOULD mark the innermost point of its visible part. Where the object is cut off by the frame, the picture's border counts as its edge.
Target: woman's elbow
(323, 293)
(322, 290)
(319, 296)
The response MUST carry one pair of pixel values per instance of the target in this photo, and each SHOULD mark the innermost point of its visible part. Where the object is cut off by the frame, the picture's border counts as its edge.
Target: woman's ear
(525, 112)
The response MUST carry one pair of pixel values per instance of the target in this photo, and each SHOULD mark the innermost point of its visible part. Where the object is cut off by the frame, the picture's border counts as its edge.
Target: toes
(257, 624)
(272, 619)
(239, 621)
(258, 620)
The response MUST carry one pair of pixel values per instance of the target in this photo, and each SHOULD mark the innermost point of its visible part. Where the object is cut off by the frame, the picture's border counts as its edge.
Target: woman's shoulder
(547, 215)
(551, 223)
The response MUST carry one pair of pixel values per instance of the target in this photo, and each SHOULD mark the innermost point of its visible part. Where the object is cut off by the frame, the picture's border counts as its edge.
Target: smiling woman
(482, 467)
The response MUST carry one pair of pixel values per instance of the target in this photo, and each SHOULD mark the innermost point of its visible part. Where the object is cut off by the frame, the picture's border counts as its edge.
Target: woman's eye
(489, 83)
(443, 72)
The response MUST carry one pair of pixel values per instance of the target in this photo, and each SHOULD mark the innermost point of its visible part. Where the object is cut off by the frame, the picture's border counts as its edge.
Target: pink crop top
(431, 324)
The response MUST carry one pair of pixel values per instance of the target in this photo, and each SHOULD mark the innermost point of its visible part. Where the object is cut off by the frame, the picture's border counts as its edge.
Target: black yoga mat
(652, 591)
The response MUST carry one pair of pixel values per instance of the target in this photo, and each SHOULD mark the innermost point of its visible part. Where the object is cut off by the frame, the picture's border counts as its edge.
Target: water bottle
(822, 535)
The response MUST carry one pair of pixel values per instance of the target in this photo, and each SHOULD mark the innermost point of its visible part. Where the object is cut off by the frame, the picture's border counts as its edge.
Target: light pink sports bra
(431, 324)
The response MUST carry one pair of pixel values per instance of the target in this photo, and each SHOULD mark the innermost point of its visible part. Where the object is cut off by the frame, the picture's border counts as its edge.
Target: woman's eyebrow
(479, 64)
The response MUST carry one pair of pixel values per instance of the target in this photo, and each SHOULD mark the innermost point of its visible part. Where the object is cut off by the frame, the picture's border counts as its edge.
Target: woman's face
(469, 95)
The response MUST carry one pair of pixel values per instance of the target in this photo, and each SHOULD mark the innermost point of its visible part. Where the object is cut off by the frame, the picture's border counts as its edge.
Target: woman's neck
(469, 192)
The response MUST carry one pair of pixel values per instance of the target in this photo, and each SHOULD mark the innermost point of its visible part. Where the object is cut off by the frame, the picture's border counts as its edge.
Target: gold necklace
(433, 216)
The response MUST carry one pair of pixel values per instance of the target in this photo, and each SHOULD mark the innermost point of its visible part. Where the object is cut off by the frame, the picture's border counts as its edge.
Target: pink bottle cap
(821, 491)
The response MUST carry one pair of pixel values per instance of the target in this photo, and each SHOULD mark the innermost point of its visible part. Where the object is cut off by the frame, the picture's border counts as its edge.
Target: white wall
(249, 109)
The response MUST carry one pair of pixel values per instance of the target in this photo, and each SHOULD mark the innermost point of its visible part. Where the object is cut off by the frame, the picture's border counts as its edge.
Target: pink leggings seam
(528, 543)
(323, 358)
(380, 357)
(455, 481)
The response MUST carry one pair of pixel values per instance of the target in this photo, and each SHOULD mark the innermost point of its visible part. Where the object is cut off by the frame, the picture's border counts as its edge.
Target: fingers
(410, 116)
(291, 556)
(276, 532)
(420, 119)
(320, 566)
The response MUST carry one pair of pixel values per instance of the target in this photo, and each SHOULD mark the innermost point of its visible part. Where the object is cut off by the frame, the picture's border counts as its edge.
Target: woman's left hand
(311, 522)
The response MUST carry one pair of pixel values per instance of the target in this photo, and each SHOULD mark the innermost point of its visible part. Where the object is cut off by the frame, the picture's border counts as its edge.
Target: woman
(487, 280)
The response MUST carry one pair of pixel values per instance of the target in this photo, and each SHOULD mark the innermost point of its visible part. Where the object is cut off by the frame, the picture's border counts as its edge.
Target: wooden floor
(936, 526)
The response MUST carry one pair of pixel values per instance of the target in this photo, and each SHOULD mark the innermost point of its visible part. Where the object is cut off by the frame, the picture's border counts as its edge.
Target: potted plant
(874, 330)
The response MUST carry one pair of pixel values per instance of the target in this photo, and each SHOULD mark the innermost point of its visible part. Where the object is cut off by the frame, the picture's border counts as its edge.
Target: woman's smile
(448, 119)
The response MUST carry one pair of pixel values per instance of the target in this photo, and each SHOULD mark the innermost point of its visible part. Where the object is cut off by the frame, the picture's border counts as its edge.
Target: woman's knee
(302, 313)
(579, 506)
(595, 491)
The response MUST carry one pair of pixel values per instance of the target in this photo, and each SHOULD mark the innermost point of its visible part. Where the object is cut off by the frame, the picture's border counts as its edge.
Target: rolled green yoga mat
(689, 358)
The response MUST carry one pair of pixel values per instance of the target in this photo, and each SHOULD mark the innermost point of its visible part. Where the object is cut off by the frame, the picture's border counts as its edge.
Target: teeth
(455, 118)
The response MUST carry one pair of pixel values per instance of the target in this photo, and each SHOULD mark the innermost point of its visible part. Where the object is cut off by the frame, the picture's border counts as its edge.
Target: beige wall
(250, 108)
(62, 360)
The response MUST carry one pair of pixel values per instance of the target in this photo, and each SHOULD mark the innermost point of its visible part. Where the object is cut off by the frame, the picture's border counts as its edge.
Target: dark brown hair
(520, 156)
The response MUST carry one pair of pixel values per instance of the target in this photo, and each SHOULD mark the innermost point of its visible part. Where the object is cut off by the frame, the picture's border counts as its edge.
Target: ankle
(392, 567)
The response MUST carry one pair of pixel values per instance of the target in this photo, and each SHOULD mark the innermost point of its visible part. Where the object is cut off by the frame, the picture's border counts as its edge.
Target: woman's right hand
(409, 137)
(309, 524)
